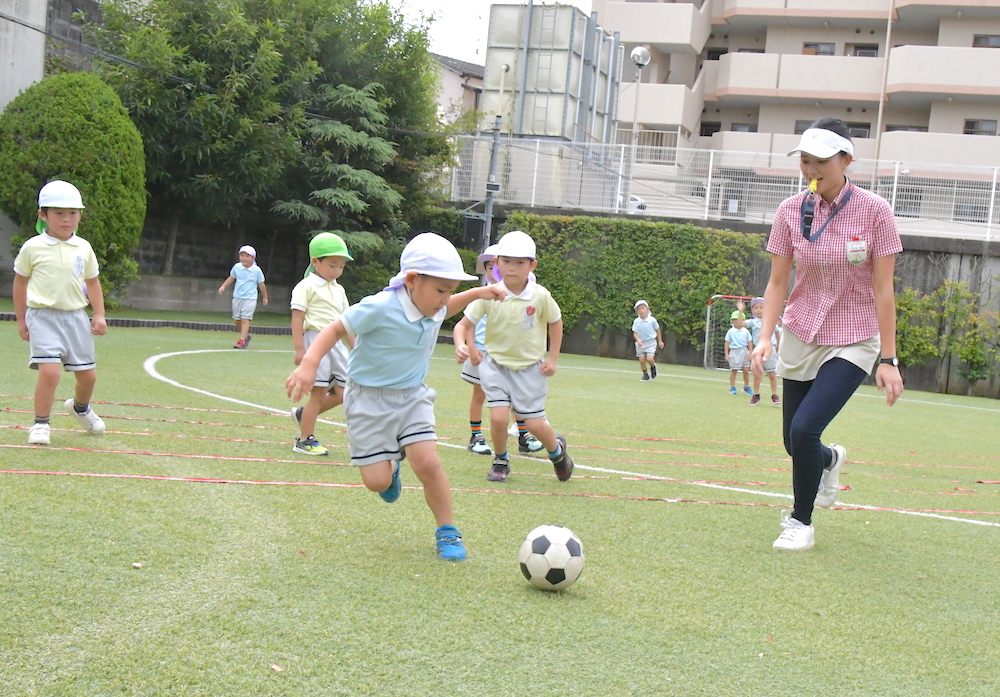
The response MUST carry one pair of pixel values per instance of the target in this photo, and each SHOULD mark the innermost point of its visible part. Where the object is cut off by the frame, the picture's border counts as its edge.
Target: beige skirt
(800, 361)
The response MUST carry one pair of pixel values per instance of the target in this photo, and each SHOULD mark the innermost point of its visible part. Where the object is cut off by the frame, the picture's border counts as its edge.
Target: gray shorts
(58, 336)
(648, 348)
(243, 308)
(771, 363)
(470, 373)
(332, 368)
(381, 421)
(739, 358)
(525, 390)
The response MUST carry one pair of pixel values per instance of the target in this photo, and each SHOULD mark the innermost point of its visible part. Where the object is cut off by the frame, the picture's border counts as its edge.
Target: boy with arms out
(739, 344)
(249, 279)
(50, 273)
(318, 301)
(648, 337)
(388, 407)
(513, 371)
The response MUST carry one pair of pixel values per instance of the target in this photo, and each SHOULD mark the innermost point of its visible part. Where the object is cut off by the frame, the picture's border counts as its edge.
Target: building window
(709, 128)
(908, 199)
(811, 49)
(802, 126)
(897, 127)
(862, 50)
(859, 130)
(750, 50)
(986, 41)
(744, 128)
(980, 127)
(714, 54)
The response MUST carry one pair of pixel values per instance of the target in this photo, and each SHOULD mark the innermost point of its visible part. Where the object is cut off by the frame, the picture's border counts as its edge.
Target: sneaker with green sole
(309, 446)
(449, 543)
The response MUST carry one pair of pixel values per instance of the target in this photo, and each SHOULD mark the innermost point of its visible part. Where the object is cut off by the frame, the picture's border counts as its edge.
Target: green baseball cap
(327, 244)
(736, 315)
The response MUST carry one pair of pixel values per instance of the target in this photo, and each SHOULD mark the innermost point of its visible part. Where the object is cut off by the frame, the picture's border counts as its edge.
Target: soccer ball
(551, 557)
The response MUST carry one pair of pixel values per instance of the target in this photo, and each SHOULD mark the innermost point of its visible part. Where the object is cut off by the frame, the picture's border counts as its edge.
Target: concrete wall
(22, 50)
(178, 293)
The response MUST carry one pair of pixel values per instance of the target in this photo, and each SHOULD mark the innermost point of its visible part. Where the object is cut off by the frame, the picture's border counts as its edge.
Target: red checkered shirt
(833, 301)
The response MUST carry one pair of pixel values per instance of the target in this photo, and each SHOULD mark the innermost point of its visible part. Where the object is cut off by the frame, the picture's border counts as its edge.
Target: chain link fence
(651, 179)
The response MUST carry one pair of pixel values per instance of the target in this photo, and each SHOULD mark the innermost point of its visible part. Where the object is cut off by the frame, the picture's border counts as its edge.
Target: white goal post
(718, 318)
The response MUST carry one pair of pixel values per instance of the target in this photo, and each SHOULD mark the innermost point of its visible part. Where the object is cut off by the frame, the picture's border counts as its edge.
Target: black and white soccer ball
(551, 557)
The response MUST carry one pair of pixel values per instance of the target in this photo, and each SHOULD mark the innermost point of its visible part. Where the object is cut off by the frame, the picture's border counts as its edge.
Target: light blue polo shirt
(480, 336)
(394, 340)
(246, 281)
(737, 338)
(645, 328)
(754, 325)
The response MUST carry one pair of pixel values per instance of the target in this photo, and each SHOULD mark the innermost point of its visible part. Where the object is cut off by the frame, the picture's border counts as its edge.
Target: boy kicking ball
(388, 407)
(50, 273)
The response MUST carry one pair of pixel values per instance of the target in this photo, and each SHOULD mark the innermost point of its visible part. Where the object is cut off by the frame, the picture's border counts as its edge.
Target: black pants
(808, 408)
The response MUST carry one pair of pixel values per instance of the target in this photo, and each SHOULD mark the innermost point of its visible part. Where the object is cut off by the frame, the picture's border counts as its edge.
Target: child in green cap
(317, 301)
(739, 344)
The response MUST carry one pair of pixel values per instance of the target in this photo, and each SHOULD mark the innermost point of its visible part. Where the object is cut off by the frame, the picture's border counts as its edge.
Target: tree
(74, 127)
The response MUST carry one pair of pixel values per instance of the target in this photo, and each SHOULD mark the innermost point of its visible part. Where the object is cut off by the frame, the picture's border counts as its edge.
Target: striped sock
(41, 419)
(80, 408)
(522, 430)
(476, 427)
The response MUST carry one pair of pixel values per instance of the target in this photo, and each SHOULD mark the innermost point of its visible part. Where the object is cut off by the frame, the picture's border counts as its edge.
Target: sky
(460, 26)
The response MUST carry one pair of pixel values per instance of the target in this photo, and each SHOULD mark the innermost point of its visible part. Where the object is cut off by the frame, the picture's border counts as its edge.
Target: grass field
(322, 589)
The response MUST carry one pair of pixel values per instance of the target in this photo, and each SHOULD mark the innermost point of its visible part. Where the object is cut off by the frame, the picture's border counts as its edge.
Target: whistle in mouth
(813, 186)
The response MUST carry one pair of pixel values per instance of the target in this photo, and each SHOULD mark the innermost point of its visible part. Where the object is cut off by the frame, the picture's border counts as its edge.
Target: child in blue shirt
(249, 279)
(754, 324)
(388, 407)
(739, 344)
(648, 337)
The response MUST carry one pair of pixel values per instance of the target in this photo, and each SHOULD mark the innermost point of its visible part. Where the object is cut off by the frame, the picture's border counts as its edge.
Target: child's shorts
(739, 358)
(470, 373)
(58, 336)
(332, 368)
(243, 308)
(771, 363)
(525, 390)
(382, 421)
(648, 348)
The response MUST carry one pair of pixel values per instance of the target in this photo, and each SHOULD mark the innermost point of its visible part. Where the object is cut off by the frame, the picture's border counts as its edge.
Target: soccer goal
(717, 322)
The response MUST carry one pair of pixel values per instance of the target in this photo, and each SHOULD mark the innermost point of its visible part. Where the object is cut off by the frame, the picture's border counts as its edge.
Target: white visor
(823, 144)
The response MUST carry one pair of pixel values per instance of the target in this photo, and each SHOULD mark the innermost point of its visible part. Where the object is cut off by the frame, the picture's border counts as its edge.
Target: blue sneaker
(449, 543)
(395, 488)
(748, 390)
(732, 390)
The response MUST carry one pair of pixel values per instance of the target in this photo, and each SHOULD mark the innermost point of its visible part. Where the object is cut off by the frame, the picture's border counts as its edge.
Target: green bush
(73, 127)
(597, 267)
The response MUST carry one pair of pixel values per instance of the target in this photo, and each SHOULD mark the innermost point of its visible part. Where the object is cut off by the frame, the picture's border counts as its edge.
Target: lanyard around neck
(808, 208)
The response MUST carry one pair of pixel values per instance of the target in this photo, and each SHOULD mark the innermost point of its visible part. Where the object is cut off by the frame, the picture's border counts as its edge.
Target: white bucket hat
(431, 255)
(823, 144)
(60, 194)
(249, 250)
(516, 244)
(638, 303)
(488, 255)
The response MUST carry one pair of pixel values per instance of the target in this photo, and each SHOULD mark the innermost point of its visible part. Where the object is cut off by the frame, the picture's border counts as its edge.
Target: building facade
(460, 87)
(913, 79)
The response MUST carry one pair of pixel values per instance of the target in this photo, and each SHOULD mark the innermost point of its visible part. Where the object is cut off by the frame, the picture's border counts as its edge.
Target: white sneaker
(38, 434)
(797, 536)
(829, 485)
(88, 419)
(512, 431)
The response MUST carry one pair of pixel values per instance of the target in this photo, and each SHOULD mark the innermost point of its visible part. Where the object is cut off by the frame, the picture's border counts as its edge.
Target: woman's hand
(887, 377)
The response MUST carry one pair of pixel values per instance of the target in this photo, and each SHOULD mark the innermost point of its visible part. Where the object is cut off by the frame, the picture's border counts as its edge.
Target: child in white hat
(55, 275)
(249, 279)
(388, 407)
(648, 337)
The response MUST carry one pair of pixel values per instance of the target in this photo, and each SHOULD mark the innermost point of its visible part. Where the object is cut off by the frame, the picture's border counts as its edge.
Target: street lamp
(640, 56)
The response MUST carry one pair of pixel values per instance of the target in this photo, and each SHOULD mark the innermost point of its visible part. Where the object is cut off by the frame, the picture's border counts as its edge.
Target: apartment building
(748, 75)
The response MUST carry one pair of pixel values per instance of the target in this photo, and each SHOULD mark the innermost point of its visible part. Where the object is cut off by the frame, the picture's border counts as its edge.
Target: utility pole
(492, 189)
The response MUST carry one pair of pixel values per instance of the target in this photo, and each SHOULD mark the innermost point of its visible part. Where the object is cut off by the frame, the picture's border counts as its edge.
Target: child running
(55, 273)
(317, 301)
(739, 344)
(514, 371)
(389, 409)
(249, 279)
(754, 325)
(648, 337)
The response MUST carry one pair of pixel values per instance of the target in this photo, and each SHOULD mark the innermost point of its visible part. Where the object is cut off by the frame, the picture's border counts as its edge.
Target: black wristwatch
(892, 360)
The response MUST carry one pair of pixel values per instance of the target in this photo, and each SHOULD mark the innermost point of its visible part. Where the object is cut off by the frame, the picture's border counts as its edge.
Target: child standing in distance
(318, 301)
(739, 344)
(388, 407)
(50, 273)
(514, 371)
(249, 279)
(648, 337)
(754, 325)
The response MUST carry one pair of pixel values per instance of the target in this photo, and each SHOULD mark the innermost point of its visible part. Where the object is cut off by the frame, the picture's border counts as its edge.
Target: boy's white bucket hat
(638, 303)
(430, 254)
(60, 194)
(489, 255)
(249, 250)
(516, 244)
(823, 144)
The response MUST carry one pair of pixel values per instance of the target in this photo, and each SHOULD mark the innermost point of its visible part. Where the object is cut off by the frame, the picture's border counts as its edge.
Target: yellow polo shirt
(323, 301)
(517, 327)
(56, 271)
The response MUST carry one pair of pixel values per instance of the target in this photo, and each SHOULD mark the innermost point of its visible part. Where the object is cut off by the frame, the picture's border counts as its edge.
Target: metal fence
(929, 199)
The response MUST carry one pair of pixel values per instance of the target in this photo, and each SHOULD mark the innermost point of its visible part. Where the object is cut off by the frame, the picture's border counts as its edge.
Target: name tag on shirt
(857, 251)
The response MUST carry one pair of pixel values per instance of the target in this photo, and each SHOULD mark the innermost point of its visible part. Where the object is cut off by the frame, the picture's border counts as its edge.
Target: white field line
(149, 365)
